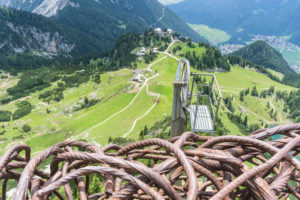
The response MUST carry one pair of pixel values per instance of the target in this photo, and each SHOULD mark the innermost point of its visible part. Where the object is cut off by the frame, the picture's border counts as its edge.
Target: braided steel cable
(185, 167)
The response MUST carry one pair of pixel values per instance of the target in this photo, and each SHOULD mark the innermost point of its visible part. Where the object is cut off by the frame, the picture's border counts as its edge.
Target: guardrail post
(179, 119)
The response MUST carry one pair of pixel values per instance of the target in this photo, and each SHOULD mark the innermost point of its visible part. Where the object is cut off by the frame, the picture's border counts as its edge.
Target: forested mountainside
(262, 53)
(29, 40)
(105, 20)
(241, 18)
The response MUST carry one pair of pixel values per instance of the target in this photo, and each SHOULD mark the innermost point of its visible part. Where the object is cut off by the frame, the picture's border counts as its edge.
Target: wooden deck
(204, 121)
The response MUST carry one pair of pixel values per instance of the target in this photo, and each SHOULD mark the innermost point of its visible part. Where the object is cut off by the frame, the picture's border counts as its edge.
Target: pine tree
(146, 130)
(247, 91)
(245, 122)
(254, 92)
(242, 94)
(275, 116)
(142, 134)
(86, 101)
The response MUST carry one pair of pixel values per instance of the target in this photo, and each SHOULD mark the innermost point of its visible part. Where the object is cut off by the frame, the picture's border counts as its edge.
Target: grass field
(292, 56)
(91, 124)
(214, 36)
(198, 50)
(123, 110)
(241, 78)
(277, 74)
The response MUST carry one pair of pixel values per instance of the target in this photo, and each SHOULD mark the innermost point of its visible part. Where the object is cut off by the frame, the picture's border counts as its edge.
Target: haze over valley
(243, 22)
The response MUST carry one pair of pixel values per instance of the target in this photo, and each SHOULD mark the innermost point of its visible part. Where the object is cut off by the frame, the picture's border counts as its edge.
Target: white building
(143, 50)
(158, 31)
(140, 54)
(170, 31)
(138, 75)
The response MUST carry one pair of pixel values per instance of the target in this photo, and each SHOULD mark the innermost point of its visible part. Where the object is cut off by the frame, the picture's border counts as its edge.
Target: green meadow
(124, 107)
(214, 36)
(292, 56)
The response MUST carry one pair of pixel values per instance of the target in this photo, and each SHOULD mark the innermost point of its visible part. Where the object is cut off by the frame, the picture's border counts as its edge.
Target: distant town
(276, 41)
(230, 48)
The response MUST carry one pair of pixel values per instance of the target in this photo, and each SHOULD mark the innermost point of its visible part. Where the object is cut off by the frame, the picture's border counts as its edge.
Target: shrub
(24, 108)
(5, 116)
(26, 128)
(122, 141)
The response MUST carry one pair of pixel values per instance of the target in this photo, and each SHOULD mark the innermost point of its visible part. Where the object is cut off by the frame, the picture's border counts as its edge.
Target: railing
(183, 77)
(209, 91)
(182, 98)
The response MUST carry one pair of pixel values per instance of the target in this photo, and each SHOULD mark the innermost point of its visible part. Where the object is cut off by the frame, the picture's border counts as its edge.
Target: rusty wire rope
(185, 167)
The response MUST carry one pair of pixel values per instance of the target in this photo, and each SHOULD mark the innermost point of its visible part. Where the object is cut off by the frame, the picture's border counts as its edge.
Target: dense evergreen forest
(292, 104)
(29, 41)
(261, 53)
(75, 33)
(210, 59)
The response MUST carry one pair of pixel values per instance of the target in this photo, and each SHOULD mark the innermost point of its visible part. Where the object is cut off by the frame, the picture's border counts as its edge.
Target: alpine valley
(233, 24)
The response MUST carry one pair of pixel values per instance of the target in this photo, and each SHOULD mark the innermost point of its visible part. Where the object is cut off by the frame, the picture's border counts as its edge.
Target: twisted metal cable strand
(184, 167)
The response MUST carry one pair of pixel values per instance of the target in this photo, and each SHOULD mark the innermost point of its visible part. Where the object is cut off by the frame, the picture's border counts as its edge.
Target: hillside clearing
(125, 108)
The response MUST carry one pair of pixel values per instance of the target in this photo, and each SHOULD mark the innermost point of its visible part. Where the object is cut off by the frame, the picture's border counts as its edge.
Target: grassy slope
(255, 108)
(49, 129)
(239, 79)
(214, 36)
(45, 126)
(277, 74)
(163, 85)
(198, 50)
(293, 57)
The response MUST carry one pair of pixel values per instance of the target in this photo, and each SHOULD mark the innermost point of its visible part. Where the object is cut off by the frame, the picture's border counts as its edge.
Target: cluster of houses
(158, 31)
(138, 74)
(143, 51)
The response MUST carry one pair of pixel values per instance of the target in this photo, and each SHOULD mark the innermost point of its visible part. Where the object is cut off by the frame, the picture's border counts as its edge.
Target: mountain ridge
(83, 27)
(25, 36)
(86, 27)
(261, 53)
(143, 13)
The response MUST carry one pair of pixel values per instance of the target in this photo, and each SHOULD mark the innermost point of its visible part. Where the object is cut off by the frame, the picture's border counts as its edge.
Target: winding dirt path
(145, 84)
(110, 117)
